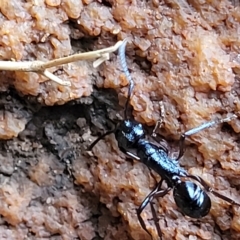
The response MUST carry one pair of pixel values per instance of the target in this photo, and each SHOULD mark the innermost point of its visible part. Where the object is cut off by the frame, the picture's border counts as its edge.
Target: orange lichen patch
(10, 125)
(39, 174)
(72, 8)
(236, 223)
(211, 66)
(96, 18)
(14, 201)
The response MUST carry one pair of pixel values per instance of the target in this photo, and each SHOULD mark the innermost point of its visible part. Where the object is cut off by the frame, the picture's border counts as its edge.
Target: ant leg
(152, 175)
(156, 192)
(209, 189)
(198, 129)
(155, 219)
(159, 125)
(145, 203)
(131, 155)
(160, 121)
(99, 138)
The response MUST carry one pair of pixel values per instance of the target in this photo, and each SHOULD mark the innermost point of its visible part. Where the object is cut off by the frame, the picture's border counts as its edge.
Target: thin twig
(54, 78)
(40, 66)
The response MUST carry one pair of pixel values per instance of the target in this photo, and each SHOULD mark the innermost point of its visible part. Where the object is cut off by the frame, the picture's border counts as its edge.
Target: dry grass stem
(40, 67)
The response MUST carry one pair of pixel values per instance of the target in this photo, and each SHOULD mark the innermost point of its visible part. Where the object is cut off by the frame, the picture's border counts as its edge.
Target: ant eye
(191, 199)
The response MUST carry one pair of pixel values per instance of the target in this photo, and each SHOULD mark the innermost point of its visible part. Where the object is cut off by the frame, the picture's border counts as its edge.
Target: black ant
(190, 198)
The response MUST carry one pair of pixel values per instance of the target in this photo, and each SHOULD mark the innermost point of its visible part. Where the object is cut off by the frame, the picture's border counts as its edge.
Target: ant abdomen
(128, 134)
(191, 199)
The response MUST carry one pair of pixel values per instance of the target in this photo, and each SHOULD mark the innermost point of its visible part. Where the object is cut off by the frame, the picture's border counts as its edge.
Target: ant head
(128, 133)
(191, 199)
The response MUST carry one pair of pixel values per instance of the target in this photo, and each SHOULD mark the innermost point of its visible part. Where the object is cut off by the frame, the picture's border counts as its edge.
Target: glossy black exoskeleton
(191, 199)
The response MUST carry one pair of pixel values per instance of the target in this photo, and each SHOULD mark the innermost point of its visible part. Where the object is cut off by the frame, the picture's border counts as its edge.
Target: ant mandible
(190, 198)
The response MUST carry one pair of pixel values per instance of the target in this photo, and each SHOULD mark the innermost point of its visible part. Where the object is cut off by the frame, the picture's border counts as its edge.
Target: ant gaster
(191, 199)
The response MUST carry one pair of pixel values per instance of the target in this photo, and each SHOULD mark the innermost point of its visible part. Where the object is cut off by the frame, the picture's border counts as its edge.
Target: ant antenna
(122, 55)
